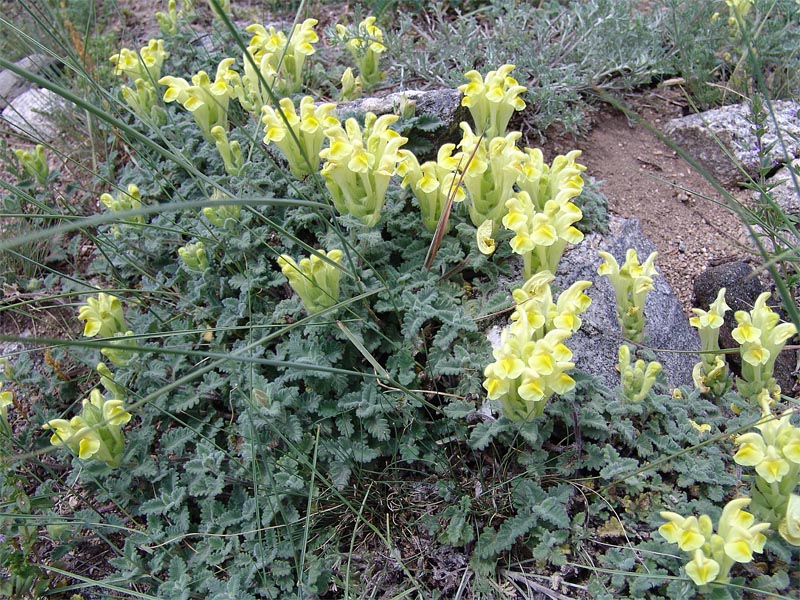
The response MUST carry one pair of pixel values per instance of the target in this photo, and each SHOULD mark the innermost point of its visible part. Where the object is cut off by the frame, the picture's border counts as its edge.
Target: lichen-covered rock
(596, 344)
(714, 136)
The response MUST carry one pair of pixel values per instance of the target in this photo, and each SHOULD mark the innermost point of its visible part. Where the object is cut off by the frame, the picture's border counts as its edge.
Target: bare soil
(679, 210)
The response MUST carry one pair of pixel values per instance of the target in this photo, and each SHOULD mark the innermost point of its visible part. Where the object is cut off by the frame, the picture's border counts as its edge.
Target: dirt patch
(679, 210)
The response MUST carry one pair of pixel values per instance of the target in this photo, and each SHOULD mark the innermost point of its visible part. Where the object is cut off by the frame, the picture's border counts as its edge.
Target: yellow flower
(702, 570)
(700, 427)
(279, 61)
(103, 316)
(359, 165)
(308, 128)
(95, 433)
(492, 100)
(365, 44)
(684, 531)
(631, 283)
(485, 240)
(532, 360)
(314, 279)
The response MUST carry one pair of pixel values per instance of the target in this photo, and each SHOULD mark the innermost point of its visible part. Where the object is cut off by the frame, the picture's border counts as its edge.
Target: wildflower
(351, 86)
(194, 256)
(6, 400)
(103, 316)
(144, 70)
(699, 427)
(221, 213)
(207, 100)
(532, 361)
(492, 100)
(631, 283)
(761, 337)
(34, 163)
(433, 183)
(690, 533)
(701, 569)
(359, 164)
(711, 373)
(485, 242)
(365, 44)
(491, 168)
(314, 279)
(638, 378)
(713, 554)
(789, 527)
(299, 137)
(145, 65)
(96, 432)
(278, 59)
(231, 152)
(128, 200)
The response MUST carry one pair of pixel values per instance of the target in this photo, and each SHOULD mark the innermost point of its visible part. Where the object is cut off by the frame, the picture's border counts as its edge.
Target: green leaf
(458, 409)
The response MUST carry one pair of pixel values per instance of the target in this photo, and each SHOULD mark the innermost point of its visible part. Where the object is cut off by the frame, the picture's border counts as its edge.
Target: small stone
(31, 114)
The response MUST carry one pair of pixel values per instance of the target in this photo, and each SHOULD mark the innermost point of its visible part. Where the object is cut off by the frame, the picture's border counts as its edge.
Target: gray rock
(31, 114)
(596, 344)
(12, 85)
(785, 194)
(716, 135)
(445, 104)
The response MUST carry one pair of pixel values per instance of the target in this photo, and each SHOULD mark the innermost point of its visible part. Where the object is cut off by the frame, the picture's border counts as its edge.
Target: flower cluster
(207, 100)
(710, 375)
(631, 283)
(144, 65)
(359, 164)
(103, 316)
(168, 21)
(34, 163)
(503, 184)
(761, 338)
(737, 538)
(221, 214)
(96, 433)
(492, 100)
(299, 137)
(131, 199)
(194, 256)
(278, 61)
(315, 279)
(774, 452)
(433, 182)
(637, 378)
(532, 361)
(542, 214)
(365, 44)
(143, 70)
(491, 168)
